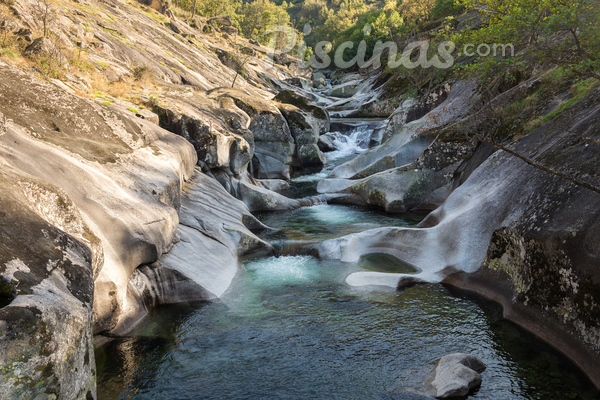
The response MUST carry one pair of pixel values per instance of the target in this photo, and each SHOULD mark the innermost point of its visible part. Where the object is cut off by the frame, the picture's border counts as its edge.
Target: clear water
(327, 221)
(291, 329)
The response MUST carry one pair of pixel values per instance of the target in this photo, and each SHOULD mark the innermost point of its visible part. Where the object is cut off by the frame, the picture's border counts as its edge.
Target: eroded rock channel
(294, 326)
(206, 233)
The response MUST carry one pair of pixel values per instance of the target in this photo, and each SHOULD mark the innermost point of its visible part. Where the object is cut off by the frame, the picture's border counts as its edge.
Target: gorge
(167, 235)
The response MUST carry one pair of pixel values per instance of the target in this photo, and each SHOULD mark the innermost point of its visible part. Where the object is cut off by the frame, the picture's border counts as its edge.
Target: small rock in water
(456, 375)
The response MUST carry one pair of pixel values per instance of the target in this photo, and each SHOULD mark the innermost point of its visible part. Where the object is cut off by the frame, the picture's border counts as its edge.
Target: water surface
(290, 328)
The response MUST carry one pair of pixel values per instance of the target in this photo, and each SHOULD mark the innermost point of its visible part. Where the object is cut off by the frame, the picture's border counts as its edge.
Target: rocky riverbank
(114, 204)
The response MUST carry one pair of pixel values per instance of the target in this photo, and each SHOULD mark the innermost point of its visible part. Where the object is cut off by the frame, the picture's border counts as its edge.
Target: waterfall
(355, 142)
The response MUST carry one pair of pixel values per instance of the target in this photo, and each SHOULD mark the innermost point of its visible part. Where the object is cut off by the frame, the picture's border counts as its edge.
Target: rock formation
(456, 375)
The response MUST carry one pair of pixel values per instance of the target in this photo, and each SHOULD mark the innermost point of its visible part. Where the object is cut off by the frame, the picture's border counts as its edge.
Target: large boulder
(318, 113)
(305, 130)
(159, 5)
(40, 46)
(218, 130)
(307, 121)
(274, 143)
(48, 260)
(396, 191)
(411, 109)
(326, 143)
(223, 20)
(456, 375)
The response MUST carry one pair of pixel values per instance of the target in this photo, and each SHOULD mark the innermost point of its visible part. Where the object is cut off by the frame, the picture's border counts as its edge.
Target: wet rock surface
(456, 375)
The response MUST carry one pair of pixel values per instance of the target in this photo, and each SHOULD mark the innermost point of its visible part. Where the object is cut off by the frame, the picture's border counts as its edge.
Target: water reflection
(292, 330)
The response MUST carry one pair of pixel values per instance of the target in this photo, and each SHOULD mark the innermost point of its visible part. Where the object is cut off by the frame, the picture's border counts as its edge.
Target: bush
(445, 8)
(140, 73)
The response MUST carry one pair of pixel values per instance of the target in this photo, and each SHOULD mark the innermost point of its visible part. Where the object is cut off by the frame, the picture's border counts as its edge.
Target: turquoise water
(290, 328)
(327, 221)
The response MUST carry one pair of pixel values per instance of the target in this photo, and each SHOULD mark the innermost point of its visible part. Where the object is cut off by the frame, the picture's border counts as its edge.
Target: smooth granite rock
(456, 375)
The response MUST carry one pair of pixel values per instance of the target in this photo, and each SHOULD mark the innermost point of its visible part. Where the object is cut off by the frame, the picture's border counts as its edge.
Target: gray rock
(396, 191)
(274, 143)
(231, 30)
(158, 5)
(405, 145)
(214, 231)
(203, 122)
(260, 199)
(456, 375)
(326, 144)
(319, 80)
(46, 330)
(275, 185)
(123, 174)
(223, 20)
(307, 105)
(319, 83)
(41, 45)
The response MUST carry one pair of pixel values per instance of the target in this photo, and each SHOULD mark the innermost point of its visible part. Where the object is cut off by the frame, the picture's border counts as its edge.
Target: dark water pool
(291, 329)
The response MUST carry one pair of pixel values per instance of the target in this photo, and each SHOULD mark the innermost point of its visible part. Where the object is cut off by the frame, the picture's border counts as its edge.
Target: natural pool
(290, 328)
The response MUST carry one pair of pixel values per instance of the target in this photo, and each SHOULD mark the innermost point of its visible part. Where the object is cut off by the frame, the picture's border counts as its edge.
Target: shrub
(141, 72)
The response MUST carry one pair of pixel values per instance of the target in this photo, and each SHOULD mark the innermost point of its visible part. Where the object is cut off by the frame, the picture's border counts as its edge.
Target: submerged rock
(456, 375)
(526, 232)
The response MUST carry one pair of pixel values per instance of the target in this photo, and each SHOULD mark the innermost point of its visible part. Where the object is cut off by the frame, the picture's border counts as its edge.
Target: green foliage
(211, 8)
(446, 8)
(257, 16)
(561, 32)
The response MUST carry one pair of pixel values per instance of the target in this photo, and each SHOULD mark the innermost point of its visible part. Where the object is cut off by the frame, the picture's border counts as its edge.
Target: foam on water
(312, 178)
(332, 214)
(355, 143)
(285, 270)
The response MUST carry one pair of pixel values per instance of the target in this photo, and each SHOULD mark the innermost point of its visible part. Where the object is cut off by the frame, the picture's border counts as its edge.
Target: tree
(445, 8)
(45, 12)
(259, 15)
(561, 32)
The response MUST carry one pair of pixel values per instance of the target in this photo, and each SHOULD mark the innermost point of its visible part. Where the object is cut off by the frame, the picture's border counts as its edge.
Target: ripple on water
(277, 271)
(290, 329)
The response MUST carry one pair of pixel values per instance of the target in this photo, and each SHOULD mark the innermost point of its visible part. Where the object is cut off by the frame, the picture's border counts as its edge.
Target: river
(290, 328)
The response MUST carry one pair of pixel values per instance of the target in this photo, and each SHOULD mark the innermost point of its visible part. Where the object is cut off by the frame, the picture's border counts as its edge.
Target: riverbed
(290, 328)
